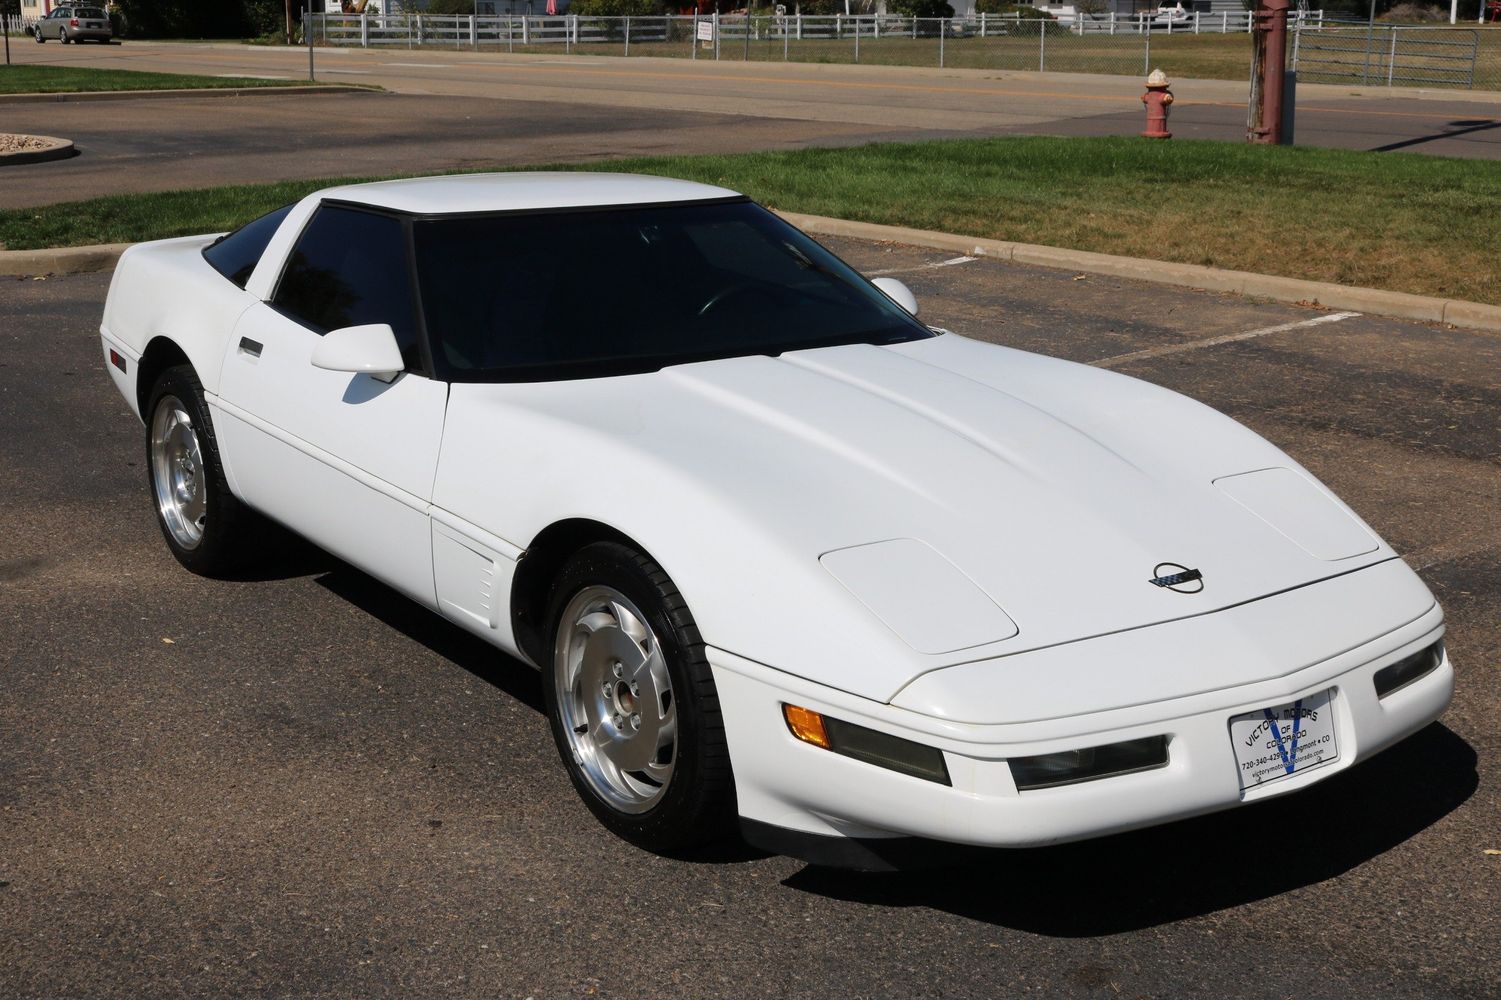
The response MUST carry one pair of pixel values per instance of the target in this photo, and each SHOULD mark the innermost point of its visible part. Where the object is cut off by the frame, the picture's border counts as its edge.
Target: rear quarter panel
(166, 289)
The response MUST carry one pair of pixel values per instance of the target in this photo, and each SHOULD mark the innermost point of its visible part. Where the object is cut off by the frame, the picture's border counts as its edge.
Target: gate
(1385, 55)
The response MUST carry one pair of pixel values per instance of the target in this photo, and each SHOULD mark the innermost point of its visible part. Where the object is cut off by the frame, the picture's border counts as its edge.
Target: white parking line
(1157, 352)
(347, 72)
(921, 267)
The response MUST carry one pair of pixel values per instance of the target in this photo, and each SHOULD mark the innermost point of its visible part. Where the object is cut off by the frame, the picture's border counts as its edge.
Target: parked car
(784, 555)
(1174, 15)
(75, 24)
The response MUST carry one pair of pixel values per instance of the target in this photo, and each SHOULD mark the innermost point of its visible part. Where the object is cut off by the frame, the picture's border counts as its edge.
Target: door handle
(250, 347)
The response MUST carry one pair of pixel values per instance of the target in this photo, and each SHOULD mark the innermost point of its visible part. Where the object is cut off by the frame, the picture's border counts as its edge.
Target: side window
(349, 268)
(236, 255)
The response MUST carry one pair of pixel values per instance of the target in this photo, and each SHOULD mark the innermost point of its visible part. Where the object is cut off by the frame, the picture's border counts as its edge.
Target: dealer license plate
(1278, 742)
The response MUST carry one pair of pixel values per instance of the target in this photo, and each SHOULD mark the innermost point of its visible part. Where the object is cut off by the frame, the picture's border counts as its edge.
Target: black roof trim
(517, 212)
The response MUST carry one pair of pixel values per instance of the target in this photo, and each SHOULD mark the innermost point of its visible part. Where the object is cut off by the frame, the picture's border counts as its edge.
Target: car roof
(521, 191)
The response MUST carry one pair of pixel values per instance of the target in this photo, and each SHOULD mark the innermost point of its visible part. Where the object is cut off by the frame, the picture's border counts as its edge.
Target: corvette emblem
(1178, 578)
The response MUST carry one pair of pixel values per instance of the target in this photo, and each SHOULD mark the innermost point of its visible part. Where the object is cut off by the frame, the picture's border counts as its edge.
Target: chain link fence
(1200, 45)
(1204, 45)
(1399, 56)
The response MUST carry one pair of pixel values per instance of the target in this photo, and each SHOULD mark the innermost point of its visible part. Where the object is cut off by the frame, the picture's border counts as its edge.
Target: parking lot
(452, 110)
(303, 785)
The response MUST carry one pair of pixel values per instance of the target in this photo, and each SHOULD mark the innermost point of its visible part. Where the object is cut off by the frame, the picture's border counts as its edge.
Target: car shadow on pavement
(1190, 868)
(484, 661)
(280, 554)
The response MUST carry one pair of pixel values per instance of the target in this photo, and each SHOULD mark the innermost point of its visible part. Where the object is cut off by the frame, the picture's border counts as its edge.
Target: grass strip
(1403, 222)
(30, 79)
(1183, 55)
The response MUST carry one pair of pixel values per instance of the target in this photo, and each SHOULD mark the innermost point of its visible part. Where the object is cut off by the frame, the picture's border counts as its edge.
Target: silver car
(75, 24)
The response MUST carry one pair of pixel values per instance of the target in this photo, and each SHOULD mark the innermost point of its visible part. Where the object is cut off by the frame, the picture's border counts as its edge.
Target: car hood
(860, 515)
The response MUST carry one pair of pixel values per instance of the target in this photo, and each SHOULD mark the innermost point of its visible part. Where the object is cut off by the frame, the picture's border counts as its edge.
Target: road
(452, 110)
(303, 785)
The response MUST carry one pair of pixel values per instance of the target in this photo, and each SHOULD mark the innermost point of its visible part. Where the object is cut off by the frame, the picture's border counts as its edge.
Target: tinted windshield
(614, 291)
(89, 12)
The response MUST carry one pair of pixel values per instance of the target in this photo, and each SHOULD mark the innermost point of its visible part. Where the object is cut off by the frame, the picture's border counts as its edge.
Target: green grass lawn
(68, 79)
(1404, 222)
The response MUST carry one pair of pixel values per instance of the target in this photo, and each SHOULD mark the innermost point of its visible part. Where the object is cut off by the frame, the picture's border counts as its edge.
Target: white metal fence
(1106, 43)
(459, 31)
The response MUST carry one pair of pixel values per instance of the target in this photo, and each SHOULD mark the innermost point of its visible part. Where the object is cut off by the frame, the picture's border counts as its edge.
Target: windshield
(530, 297)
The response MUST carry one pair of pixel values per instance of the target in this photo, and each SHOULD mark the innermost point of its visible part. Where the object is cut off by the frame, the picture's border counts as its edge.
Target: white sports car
(784, 555)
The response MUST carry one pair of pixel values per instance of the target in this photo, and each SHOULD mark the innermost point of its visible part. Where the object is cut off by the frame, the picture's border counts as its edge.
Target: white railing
(18, 24)
(1222, 22)
(475, 31)
(471, 31)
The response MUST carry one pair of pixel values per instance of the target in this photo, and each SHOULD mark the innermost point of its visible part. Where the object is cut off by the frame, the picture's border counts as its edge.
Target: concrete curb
(56, 149)
(131, 95)
(63, 260)
(1457, 312)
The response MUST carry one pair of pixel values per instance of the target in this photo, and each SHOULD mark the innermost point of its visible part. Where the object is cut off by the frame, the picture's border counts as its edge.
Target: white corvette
(783, 554)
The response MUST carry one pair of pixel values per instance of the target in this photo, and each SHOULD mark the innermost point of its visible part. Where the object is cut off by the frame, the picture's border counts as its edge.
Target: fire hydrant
(1157, 98)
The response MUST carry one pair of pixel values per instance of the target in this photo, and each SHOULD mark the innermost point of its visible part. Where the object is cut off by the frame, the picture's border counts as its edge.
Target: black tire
(62, 36)
(696, 804)
(229, 533)
(40, 40)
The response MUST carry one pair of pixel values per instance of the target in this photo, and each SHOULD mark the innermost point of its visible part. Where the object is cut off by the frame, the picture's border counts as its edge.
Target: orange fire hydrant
(1157, 98)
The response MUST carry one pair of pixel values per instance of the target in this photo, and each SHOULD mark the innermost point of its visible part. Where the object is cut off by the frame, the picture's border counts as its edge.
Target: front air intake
(1091, 764)
(1408, 669)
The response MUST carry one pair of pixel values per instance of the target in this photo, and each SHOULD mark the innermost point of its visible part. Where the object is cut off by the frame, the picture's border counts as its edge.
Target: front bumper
(789, 786)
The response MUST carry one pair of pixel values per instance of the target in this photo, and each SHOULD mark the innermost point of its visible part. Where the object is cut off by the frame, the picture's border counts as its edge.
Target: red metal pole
(1271, 25)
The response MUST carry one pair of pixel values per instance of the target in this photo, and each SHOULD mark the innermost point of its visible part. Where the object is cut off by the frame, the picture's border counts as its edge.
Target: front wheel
(206, 526)
(40, 40)
(632, 704)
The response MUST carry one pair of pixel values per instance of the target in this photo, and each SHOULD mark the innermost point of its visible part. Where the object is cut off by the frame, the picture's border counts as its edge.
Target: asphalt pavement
(154, 144)
(452, 109)
(303, 785)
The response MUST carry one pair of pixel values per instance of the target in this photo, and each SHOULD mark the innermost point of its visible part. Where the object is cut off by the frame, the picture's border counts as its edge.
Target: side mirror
(898, 293)
(371, 349)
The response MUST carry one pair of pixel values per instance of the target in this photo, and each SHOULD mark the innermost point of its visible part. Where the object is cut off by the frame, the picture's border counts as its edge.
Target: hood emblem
(1178, 578)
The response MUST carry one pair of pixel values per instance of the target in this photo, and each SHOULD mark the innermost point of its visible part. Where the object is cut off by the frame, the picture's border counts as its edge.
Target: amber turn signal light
(868, 745)
(806, 725)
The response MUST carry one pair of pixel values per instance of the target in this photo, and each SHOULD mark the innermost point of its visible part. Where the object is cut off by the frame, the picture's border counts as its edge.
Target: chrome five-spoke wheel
(208, 530)
(631, 701)
(614, 696)
(177, 472)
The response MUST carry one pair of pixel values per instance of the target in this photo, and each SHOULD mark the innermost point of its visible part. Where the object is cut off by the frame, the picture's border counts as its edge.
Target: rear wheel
(206, 526)
(632, 702)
